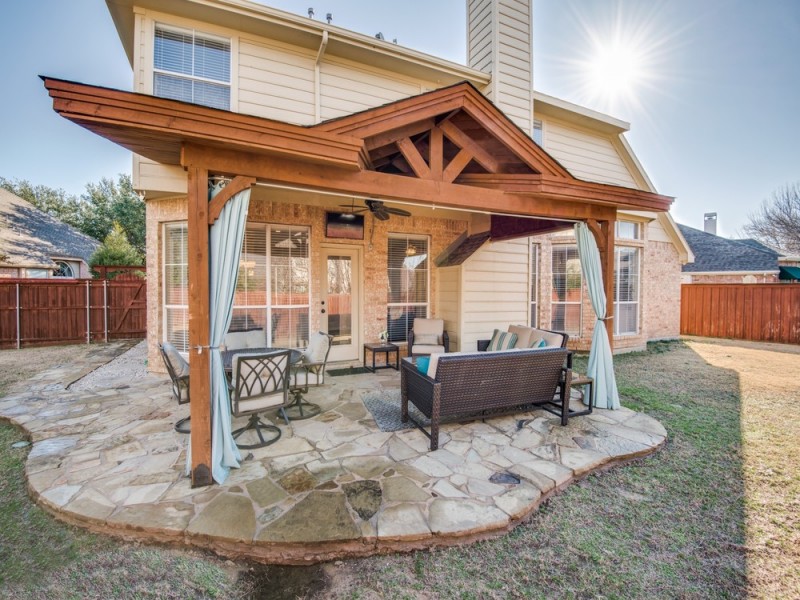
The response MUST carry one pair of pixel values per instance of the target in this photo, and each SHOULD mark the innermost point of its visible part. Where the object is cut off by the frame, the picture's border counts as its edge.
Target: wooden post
(603, 232)
(199, 364)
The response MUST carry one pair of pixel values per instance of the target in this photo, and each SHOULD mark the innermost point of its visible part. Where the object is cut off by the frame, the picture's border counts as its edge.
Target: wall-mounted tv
(346, 226)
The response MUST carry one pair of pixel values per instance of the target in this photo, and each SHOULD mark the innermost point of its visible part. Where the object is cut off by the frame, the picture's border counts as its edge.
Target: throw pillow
(540, 343)
(422, 364)
(426, 339)
(502, 340)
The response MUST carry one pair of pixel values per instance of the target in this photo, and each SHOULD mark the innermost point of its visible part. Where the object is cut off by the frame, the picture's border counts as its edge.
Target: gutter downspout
(317, 92)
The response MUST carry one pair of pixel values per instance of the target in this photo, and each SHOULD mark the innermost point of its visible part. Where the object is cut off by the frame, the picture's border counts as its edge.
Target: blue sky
(713, 110)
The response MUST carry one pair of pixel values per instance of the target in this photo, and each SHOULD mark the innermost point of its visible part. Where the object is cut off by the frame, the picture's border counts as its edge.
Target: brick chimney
(499, 42)
(710, 223)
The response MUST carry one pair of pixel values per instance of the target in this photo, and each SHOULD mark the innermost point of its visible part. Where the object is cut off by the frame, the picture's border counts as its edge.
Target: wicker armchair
(178, 370)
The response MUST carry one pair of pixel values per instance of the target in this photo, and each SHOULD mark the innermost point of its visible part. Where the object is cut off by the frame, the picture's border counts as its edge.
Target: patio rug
(385, 408)
(347, 371)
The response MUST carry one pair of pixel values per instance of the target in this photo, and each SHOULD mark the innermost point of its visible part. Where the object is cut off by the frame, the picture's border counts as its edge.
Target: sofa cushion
(434, 364)
(540, 343)
(422, 364)
(524, 335)
(236, 340)
(502, 340)
(427, 349)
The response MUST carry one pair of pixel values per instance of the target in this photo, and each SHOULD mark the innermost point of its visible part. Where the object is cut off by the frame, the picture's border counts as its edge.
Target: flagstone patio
(332, 486)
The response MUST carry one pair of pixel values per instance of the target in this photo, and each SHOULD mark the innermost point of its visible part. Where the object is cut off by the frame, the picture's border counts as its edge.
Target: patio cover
(450, 148)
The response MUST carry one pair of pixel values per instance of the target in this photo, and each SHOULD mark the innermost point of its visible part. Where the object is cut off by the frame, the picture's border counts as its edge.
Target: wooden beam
(603, 232)
(219, 201)
(414, 158)
(387, 186)
(199, 365)
(455, 166)
(436, 153)
(463, 141)
(390, 137)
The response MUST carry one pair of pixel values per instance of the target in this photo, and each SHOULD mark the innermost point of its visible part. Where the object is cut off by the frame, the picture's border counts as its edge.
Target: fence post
(88, 316)
(19, 333)
(105, 308)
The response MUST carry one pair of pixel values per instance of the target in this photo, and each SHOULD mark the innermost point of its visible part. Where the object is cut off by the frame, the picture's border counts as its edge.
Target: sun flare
(615, 70)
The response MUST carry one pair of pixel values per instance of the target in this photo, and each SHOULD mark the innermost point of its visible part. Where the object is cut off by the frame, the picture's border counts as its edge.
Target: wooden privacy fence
(763, 312)
(36, 312)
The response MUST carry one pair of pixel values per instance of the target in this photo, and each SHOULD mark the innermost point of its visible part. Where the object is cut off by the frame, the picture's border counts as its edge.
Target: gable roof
(32, 238)
(717, 254)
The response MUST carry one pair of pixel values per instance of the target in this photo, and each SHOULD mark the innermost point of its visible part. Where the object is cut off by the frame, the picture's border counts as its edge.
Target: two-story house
(390, 184)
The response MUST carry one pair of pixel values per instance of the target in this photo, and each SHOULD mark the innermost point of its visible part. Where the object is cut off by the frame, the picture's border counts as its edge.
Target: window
(63, 269)
(627, 230)
(176, 286)
(566, 298)
(538, 136)
(626, 291)
(408, 284)
(272, 291)
(534, 275)
(36, 273)
(192, 67)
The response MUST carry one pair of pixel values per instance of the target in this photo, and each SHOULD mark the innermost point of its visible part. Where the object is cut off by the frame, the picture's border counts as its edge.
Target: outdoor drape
(601, 362)
(225, 250)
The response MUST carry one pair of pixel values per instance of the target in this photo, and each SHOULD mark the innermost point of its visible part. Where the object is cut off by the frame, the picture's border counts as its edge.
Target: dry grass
(713, 515)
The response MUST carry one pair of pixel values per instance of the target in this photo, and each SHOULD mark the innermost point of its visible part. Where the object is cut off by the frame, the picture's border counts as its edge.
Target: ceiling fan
(377, 208)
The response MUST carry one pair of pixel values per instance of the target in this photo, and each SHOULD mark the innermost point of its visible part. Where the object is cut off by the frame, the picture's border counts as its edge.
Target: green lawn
(714, 514)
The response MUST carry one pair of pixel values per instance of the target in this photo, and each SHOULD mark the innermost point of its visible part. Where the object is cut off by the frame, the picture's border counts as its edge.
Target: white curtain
(225, 250)
(601, 361)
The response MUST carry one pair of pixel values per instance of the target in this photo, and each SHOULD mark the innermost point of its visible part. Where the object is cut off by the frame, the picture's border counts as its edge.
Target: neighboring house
(34, 244)
(721, 260)
(324, 118)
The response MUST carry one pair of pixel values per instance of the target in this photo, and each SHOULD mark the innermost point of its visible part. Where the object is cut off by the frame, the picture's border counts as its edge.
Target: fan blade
(397, 211)
(381, 214)
(352, 209)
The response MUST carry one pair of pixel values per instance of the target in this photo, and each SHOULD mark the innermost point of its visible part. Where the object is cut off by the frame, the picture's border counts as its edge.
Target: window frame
(534, 287)
(427, 304)
(195, 33)
(579, 303)
(617, 290)
(268, 307)
(638, 230)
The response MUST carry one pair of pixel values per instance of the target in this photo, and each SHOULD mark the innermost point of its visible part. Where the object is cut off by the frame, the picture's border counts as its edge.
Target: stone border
(110, 462)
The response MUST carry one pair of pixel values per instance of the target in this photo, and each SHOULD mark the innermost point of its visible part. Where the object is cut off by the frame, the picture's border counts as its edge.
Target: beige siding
(494, 290)
(586, 155)
(276, 82)
(347, 87)
(149, 175)
(657, 233)
(479, 35)
(499, 42)
(449, 305)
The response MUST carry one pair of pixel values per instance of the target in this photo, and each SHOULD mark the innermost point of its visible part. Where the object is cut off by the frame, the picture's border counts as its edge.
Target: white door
(340, 305)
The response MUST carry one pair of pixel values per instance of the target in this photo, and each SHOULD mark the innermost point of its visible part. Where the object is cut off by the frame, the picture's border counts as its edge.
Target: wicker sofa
(465, 386)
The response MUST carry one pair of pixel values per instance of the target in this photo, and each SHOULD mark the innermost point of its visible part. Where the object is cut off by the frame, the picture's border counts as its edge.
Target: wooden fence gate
(41, 312)
(763, 312)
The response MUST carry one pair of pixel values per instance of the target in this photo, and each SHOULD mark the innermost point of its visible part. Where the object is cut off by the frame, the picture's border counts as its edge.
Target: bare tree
(777, 223)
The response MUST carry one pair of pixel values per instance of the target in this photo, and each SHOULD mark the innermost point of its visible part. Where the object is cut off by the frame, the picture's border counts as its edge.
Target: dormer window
(193, 67)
